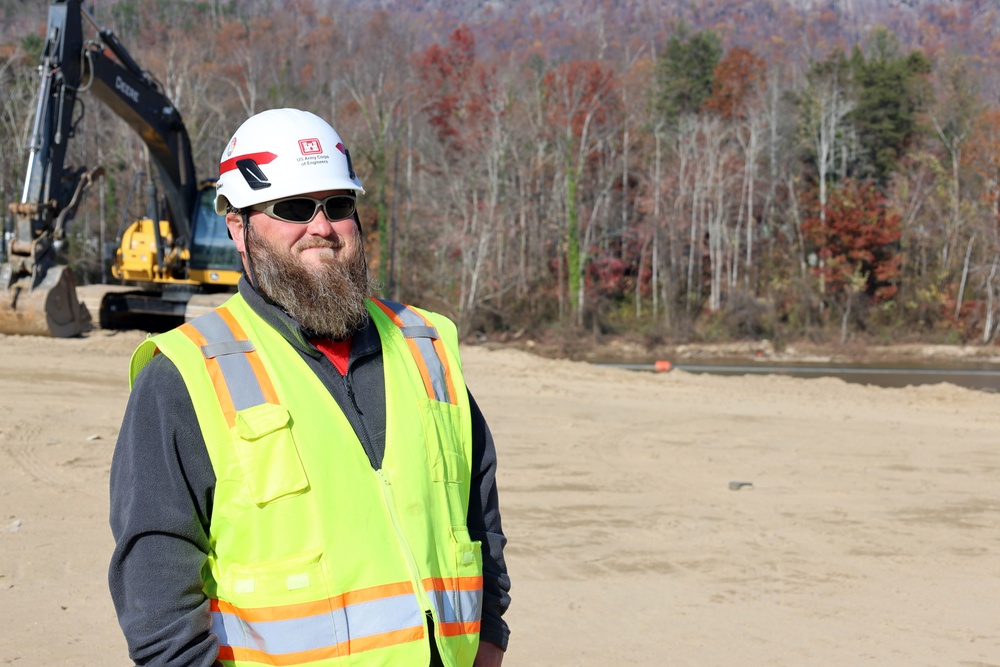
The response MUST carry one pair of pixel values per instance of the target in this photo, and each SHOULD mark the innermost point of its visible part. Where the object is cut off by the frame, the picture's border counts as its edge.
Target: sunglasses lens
(298, 209)
(338, 207)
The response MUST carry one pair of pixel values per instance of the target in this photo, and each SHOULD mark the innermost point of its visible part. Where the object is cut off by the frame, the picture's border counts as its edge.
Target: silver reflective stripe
(420, 332)
(325, 630)
(457, 606)
(383, 615)
(277, 637)
(226, 347)
(244, 388)
(416, 329)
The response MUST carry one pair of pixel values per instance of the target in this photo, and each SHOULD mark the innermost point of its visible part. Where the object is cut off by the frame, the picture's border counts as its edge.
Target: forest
(681, 171)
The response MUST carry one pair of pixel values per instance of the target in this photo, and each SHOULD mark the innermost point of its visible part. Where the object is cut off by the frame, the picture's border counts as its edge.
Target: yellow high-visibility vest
(315, 557)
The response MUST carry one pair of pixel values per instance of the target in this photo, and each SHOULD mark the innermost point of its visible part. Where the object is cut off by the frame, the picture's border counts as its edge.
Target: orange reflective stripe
(442, 354)
(266, 388)
(358, 645)
(234, 653)
(458, 602)
(453, 584)
(412, 344)
(361, 620)
(376, 592)
(304, 609)
(386, 639)
(422, 367)
(440, 350)
(389, 312)
(215, 373)
(280, 613)
(220, 327)
(458, 628)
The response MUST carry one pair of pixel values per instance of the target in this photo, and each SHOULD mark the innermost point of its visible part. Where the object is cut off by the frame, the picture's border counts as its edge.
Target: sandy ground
(869, 534)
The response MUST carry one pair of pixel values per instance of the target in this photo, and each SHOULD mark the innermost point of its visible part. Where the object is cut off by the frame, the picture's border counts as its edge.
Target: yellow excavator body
(136, 259)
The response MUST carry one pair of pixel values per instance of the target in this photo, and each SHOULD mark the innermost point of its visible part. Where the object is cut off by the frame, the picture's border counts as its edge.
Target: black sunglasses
(302, 209)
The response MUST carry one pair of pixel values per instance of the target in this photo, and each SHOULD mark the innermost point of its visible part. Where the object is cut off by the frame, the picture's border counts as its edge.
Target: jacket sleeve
(484, 525)
(161, 497)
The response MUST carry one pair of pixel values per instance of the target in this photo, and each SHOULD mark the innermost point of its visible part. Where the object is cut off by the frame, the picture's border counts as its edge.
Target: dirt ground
(652, 518)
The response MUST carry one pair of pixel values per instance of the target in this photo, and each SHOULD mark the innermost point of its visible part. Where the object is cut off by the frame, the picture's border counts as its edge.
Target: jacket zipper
(364, 437)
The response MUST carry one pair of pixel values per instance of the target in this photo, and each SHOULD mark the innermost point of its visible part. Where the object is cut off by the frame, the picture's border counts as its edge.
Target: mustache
(305, 244)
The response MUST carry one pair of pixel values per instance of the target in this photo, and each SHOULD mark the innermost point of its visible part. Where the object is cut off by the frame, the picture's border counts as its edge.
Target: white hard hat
(281, 153)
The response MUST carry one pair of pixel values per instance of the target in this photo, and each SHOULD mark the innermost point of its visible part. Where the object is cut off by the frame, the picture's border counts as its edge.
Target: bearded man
(302, 476)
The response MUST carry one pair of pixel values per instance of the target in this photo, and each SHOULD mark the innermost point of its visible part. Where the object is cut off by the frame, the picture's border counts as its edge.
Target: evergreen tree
(891, 90)
(685, 73)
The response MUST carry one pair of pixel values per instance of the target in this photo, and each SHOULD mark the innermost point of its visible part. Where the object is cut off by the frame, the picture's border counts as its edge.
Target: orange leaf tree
(860, 238)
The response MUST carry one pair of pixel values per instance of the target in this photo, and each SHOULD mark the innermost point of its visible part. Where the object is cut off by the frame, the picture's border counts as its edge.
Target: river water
(980, 376)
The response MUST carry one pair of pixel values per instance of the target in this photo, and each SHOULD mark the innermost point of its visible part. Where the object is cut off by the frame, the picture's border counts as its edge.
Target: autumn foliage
(738, 75)
(858, 238)
(576, 92)
(604, 166)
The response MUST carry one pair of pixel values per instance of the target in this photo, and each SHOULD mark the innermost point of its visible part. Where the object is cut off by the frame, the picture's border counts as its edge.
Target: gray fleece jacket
(162, 487)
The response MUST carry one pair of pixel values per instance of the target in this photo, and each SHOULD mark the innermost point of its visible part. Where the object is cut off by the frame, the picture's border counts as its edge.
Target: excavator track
(101, 301)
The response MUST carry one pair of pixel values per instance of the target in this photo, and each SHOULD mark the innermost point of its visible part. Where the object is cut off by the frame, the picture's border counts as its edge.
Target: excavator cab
(153, 254)
(164, 279)
(213, 253)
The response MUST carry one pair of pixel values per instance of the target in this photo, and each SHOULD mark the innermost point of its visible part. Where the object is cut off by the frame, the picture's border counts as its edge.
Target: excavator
(174, 263)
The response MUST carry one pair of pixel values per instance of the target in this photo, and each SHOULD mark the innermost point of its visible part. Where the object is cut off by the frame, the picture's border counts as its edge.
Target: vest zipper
(411, 563)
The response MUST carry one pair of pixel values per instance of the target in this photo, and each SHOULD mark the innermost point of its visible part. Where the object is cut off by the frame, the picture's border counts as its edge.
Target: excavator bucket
(49, 309)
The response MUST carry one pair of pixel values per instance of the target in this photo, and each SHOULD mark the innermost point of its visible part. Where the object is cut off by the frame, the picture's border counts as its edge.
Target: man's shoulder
(159, 382)
(159, 366)
(426, 313)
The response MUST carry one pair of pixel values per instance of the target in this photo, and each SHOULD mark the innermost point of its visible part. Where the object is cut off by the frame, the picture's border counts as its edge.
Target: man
(302, 476)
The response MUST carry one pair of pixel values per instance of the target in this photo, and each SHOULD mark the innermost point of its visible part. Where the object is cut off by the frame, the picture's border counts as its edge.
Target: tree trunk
(965, 277)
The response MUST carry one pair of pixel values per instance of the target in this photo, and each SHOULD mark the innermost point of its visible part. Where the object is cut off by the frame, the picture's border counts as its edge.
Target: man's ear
(234, 221)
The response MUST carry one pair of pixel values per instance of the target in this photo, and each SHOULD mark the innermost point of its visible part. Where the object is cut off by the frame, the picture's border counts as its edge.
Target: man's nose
(321, 225)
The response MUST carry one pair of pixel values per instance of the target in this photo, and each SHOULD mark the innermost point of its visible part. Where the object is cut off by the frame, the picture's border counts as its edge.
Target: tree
(578, 95)
(737, 96)
(892, 90)
(18, 87)
(823, 108)
(376, 81)
(952, 119)
(685, 73)
(466, 107)
(858, 240)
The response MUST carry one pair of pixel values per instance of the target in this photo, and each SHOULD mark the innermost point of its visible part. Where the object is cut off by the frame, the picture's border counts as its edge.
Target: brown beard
(328, 301)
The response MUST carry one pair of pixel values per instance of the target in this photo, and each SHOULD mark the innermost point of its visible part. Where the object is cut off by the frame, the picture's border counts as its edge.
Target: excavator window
(211, 247)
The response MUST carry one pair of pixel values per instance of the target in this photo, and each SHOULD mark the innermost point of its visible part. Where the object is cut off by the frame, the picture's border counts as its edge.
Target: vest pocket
(468, 554)
(443, 435)
(279, 607)
(267, 453)
(286, 581)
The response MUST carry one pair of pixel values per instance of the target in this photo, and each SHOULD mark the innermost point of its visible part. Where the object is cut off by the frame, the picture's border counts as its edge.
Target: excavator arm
(37, 296)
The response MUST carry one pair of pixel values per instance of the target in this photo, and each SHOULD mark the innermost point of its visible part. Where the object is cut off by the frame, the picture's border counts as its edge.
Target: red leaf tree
(446, 74)
(859, 240)
(736, 77)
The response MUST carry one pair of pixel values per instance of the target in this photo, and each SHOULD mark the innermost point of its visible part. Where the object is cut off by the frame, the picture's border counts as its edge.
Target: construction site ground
(653, 518)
